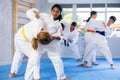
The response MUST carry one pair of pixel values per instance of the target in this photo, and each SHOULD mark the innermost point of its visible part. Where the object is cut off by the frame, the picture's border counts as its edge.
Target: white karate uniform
(74, 36)
(93, 53)
(96, 40)
(108, 31)
(24, 46)
(31, 13)
(93, 57)
(53, 28)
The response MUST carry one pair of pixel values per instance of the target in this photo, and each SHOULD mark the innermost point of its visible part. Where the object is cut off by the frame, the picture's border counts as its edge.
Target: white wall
(6, 31)
(43, 5)
(114, 44)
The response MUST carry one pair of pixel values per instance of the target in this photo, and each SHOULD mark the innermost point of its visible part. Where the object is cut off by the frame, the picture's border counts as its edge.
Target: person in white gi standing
(17, 60)
(93, 53)
(37, 69)
(71, 36)
(24, 46)
(95, 38)
(52, 50)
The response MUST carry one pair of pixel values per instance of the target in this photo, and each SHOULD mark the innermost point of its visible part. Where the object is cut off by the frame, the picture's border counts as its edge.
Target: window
(115, 9)
(83, 16)
(101, 16)
(67, 15)
(83, 12)
(83, 9)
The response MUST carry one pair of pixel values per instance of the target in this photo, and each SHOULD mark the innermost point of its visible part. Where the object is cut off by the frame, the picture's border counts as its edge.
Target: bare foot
(94, 64)
(36, 79)
(112, 66)
(66, 79)
(11, 75)
(81, 65)
(85, 63)
(86, 66)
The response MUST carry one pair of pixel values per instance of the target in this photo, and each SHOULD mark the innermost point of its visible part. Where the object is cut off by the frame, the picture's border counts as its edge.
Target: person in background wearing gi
(70, 38)
(95, 38)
